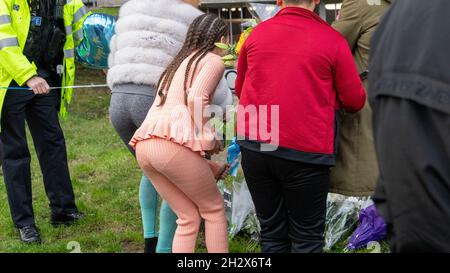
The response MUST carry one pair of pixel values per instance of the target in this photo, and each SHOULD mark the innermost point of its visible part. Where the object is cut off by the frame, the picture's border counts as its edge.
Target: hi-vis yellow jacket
(14, 26)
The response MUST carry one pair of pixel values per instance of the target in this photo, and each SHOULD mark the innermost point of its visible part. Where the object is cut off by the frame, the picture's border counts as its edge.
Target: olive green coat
(356, 168)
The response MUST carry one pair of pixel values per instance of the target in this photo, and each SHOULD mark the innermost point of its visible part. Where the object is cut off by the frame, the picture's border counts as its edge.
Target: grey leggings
(129, 107)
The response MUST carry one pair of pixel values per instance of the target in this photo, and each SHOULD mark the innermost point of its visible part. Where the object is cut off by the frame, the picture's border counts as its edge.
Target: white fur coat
(149, 33)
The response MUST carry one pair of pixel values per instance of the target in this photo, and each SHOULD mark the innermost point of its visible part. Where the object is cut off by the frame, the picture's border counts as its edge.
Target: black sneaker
(150, 245)
(29, 235)
(66, 219)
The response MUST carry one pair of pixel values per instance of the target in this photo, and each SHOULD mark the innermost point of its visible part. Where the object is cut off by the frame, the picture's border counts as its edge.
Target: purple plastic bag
(372, 227)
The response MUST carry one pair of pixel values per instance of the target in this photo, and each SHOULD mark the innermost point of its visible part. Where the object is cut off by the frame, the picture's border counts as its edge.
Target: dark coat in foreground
(410, 95)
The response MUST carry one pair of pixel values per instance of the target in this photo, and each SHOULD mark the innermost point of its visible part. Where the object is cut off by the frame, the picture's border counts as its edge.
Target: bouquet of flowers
(233, 49)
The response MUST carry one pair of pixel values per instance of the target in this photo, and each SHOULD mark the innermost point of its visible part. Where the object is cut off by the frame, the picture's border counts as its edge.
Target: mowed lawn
(105, 178)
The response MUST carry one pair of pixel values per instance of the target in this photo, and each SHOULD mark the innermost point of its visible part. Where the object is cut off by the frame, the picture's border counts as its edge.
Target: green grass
(110, 11)
(105, 179)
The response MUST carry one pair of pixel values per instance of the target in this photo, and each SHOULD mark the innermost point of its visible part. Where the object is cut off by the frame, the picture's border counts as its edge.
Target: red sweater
(297, 61)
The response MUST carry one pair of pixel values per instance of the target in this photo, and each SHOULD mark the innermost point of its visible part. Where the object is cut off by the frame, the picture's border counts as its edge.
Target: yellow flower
(242, 39)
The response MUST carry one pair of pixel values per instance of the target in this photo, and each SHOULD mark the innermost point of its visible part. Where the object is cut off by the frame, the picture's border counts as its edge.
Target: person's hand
(38, 85)
(223, 173)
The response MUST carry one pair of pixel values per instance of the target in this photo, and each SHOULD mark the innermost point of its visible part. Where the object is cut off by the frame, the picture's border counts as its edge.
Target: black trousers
(290, 200)
(41, 114)
(413, 191)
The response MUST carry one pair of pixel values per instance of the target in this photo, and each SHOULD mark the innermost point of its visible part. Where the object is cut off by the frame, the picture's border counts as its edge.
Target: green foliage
(222, 46)
(231, 57)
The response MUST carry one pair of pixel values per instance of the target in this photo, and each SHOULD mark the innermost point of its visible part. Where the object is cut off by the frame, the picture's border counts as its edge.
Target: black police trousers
(41, 114)
(290, 199)
(413, 191)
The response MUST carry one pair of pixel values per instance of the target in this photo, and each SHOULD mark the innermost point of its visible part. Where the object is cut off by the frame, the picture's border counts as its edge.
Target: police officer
(37, 41)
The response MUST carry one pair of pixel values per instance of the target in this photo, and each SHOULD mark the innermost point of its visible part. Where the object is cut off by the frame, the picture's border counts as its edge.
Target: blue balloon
(93, 51)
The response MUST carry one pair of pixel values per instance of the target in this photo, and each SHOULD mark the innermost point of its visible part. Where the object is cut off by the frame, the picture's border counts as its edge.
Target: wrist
(23, 78)
(32, 77)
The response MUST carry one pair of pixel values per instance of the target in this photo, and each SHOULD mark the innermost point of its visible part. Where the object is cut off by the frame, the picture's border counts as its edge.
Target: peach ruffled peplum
(178, 130)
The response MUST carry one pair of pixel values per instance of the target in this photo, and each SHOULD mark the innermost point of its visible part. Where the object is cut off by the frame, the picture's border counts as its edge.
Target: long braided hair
(202, 35)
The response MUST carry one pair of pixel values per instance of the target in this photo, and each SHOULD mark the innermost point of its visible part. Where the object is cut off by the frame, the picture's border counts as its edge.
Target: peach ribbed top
(181, 123)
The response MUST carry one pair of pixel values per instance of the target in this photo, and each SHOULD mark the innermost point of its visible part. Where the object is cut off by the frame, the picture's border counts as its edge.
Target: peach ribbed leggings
(185, 180)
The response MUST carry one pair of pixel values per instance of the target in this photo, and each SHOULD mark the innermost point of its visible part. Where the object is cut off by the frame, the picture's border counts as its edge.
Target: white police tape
(59, 87)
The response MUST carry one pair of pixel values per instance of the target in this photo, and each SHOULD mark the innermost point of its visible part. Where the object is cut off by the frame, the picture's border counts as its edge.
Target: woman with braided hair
(175, 137)
(149, 34)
